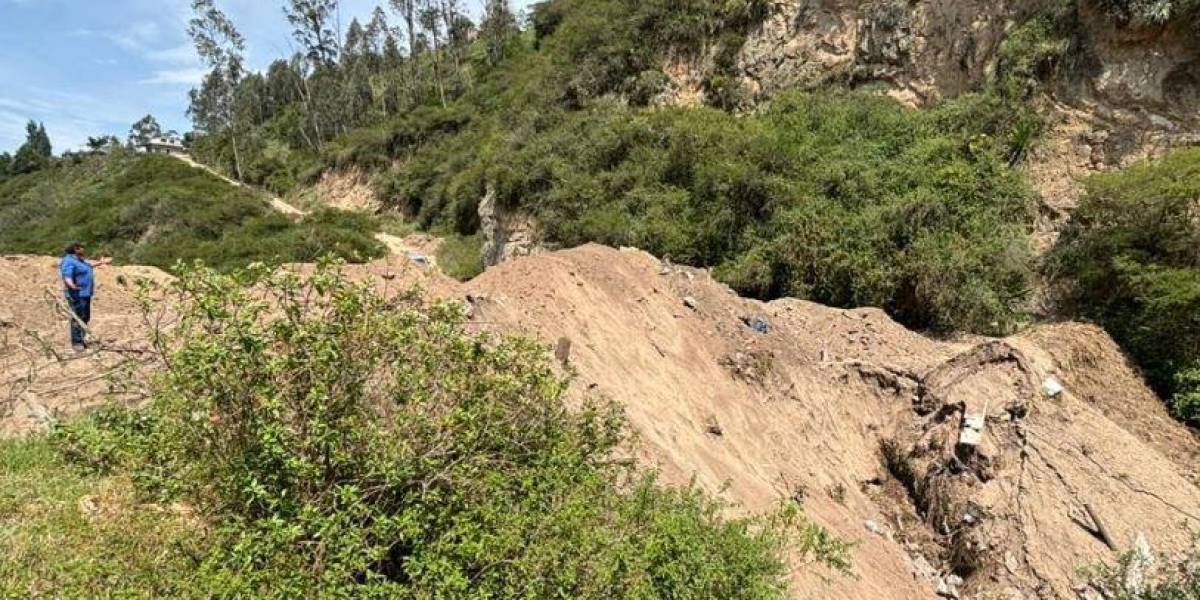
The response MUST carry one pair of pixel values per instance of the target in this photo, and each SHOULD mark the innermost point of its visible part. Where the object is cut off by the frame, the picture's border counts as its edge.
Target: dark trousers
(82, 309)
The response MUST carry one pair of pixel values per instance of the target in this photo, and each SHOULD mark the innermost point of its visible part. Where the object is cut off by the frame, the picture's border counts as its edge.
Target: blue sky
(87, 67)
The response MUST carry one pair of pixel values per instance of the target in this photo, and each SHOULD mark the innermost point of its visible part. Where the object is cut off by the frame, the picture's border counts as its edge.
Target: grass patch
(70, 535)
(461, 256)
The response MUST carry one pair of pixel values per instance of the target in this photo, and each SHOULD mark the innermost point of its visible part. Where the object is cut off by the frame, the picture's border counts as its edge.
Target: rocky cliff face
(930, 49)
(923, 50)
(1123, 94)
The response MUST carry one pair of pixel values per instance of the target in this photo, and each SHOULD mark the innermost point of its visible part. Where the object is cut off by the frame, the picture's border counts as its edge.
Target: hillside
(844, 411)
(753, 299)
(156, 210)
(920, 157)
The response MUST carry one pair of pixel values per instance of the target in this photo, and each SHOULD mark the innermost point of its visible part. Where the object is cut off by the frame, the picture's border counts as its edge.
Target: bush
(349, 445)
(461, 257)
(608, 46)
(1153, 13)
(844, 198)
(1130, 259)
(1133, 577)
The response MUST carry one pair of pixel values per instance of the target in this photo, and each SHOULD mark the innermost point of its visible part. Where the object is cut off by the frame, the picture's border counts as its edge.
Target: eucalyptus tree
(222, 48)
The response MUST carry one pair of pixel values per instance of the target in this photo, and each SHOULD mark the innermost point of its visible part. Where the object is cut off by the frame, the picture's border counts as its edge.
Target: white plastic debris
(1052, 387)
(972, 430)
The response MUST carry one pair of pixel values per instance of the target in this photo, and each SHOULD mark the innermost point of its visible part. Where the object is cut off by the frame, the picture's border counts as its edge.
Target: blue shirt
(80, 272)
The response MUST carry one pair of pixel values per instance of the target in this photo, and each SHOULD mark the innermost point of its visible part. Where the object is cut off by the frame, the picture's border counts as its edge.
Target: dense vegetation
(844, 198)
(1130, 259)
(155, 210)
(345, 445)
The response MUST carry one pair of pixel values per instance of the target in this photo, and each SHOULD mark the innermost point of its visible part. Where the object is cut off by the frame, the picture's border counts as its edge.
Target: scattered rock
(1141, 561)
(922, 569)
(562, 351)
(947, 587)
(760, 325)
(713, 427)
(877, 529)
(690, 302)
(971, 434)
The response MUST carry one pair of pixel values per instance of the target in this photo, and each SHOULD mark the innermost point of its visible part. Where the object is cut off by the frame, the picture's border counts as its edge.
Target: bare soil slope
(842, 410)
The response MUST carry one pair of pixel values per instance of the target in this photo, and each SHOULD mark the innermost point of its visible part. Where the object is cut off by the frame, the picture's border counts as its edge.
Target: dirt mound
(40, 377)
(845, 411)
(860, 419)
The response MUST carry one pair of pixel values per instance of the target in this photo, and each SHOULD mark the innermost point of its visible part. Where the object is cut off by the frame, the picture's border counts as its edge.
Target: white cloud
(188, 76)
(183, 54)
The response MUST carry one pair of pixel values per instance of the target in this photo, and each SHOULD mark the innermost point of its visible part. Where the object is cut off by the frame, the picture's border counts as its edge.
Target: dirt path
(277, 203)
(395, 244)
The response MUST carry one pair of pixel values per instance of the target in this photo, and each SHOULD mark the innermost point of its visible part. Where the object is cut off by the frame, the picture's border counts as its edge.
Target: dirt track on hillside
(801, 411)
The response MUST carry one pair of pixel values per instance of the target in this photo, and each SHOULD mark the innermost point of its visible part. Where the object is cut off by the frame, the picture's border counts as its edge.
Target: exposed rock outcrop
(930, 49)
(507, 233)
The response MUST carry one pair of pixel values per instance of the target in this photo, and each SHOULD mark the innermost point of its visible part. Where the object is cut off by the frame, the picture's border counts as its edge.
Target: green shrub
(1186, 402)
(1130, 259)
(1032, 54)
(607, 46)
(845, 198)
(1165, 577)
(347, 445)
(461, 257)
(1154, 13)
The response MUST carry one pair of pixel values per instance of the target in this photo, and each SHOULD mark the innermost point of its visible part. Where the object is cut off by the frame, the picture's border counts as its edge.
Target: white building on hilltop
(164, 144)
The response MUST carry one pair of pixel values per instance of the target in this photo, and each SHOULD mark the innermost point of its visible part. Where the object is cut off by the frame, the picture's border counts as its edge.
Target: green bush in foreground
(1130, 259)
(347, 445)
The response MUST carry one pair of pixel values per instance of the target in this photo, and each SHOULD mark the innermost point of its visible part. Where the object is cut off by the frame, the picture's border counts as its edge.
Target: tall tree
(35, 154)
(499, 25)
(284, 87)
(355, 45)
(377, 31)
(408, 11)
(6, 160)
(146, 129)
(221, 47)
(314, 27)
(431, 23)
(458, 30)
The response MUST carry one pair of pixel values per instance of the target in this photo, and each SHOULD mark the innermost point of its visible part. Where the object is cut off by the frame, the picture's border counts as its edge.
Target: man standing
(78, 277)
